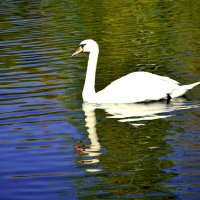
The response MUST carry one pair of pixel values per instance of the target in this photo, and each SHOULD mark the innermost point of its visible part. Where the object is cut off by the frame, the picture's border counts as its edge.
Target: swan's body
(132, 88)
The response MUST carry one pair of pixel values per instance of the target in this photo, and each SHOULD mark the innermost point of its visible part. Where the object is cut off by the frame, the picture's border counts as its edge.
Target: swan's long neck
(89, 86)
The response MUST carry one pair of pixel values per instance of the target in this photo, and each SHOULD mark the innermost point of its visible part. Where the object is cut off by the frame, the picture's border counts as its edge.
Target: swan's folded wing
(137, 87)
(165, 78)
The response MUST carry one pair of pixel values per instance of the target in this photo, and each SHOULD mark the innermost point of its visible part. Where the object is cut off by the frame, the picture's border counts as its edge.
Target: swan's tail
(182, 89)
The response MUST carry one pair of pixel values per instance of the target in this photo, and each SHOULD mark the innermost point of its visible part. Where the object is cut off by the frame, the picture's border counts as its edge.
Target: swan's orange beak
(79, 50)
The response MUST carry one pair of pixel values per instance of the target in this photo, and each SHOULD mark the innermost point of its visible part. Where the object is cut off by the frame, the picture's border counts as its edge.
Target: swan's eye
(82, 46)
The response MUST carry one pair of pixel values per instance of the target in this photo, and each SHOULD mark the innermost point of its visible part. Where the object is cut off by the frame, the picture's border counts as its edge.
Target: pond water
(54, 146)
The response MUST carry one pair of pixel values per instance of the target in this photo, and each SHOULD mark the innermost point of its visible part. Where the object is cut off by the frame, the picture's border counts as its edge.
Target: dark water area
(54, 146)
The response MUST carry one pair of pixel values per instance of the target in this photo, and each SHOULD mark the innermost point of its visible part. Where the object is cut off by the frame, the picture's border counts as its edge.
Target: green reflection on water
(133, 35)
(132, 156)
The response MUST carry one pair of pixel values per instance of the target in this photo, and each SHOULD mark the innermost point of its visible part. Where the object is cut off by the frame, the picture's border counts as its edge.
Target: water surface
(54, 146)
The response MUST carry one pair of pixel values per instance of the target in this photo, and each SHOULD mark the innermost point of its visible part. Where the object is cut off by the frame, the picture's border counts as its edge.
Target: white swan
(132, 88)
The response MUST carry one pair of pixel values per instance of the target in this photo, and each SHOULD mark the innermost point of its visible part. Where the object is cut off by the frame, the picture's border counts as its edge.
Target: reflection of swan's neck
(89, 86)
(91, 125)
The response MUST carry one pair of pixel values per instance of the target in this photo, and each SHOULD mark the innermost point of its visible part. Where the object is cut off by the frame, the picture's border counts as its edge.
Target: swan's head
(86, 46)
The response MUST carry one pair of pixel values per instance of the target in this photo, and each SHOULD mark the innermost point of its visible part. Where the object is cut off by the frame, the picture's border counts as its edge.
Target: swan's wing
(165, 78)
(143, 78)
(136, 87)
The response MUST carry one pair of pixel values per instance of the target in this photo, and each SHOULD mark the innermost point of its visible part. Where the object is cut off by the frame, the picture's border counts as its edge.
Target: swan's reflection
(94, 149)
(136, 114)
